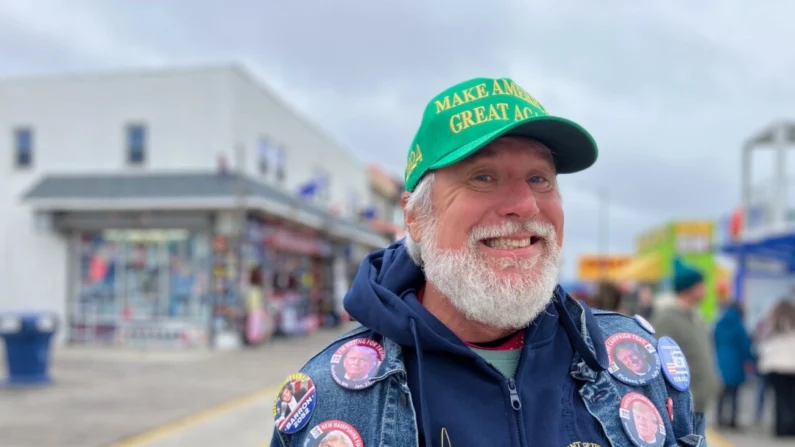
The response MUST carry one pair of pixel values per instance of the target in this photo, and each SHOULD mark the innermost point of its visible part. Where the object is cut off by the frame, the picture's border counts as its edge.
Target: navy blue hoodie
(456, 393)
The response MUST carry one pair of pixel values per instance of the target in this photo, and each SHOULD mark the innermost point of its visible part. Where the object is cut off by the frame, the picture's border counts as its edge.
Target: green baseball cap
(468, 116)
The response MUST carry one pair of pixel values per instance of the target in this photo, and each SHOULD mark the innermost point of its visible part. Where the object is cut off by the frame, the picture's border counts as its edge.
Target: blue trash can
(28, 337)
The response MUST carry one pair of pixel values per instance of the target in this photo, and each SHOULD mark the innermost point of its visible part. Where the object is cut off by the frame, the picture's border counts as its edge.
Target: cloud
(668, 89)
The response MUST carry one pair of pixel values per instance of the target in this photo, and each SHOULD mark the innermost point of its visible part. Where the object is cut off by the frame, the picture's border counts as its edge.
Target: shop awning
(185, 191)
(647, 268)
(778, 247)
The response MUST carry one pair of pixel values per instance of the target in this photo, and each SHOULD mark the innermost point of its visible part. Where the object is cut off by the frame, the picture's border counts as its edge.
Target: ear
(410, 218)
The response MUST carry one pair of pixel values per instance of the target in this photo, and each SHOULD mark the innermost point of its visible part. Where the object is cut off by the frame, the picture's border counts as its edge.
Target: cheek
(455, 225)
(552, 212)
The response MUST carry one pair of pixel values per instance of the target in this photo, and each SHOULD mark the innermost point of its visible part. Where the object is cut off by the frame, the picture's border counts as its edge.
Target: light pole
(604, 231)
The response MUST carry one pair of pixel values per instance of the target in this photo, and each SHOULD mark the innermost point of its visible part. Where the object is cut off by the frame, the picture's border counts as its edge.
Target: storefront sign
(287, 240)
(144, 236)
(693, 237)
(594, 268)
(161, 334)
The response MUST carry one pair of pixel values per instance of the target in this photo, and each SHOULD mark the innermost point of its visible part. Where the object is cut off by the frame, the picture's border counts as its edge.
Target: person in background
(777, 362)
(761, 332)
(733, 350)
(679, 319)
(608, 297)
(645, 301)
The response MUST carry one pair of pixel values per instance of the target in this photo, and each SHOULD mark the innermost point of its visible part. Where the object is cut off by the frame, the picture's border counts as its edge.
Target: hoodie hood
(383, 297)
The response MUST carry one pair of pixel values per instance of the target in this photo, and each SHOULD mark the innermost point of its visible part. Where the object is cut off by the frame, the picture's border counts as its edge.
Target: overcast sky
(668, 89)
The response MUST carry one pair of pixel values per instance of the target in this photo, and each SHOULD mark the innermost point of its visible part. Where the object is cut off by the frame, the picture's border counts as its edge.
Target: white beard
(476, 287)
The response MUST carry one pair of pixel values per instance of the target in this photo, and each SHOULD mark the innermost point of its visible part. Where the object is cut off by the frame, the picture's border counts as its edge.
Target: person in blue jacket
(471, 340)
(733, 350)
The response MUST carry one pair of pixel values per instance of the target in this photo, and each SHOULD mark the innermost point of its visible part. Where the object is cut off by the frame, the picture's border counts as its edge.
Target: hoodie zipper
(516, 404)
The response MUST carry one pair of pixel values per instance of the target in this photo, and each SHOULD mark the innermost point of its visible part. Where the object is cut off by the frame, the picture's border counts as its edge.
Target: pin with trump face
(334, 433)
(642, 421)
(633, 359)
(356, 362)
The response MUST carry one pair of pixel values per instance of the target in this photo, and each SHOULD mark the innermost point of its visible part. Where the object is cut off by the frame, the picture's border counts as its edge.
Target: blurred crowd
(722, 356)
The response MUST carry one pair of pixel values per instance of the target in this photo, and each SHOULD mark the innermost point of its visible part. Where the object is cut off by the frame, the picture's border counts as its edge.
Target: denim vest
(384, 413)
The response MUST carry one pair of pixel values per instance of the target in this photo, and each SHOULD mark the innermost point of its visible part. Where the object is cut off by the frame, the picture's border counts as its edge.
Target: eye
(539, 181)
(485, 178)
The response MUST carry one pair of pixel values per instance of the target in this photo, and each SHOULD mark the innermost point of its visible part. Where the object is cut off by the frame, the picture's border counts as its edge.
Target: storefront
(139, 279)
(297, 264)
(765, 271)
(152, 264)
(656, 249)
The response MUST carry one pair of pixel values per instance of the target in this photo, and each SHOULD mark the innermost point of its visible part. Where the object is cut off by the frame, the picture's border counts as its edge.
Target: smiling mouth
(500, 243)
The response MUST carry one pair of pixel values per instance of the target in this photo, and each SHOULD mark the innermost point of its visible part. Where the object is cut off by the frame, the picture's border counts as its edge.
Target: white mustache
(540, 229)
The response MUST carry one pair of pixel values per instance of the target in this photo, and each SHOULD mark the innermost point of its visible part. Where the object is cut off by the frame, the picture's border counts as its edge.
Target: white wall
(79, 126)
(259, 113)
(191, 117)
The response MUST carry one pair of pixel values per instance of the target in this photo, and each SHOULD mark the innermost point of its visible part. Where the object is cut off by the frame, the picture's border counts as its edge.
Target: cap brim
(573, 148)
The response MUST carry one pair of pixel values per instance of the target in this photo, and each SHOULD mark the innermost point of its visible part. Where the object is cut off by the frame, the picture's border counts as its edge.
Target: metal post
(781, 177)
(604, 232)
(240, 231)
(745, 187)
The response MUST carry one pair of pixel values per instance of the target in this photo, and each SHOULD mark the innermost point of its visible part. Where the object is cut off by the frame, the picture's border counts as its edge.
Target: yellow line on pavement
(715, 439)
(192, 420)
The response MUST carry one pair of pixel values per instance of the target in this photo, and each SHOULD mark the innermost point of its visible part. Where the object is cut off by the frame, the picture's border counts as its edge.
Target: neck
(469, 331)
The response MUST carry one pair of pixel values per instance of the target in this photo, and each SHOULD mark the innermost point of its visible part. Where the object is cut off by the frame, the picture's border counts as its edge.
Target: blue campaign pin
(644, 323)
(642, 421)
(674, 364)
(633, 359)
(295, 403)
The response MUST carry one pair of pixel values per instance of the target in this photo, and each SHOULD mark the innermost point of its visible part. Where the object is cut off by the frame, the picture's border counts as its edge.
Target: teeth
(507, 244)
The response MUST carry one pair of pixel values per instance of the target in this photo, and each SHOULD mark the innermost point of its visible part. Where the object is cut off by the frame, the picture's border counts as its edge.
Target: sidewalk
(750, 434)
(104, 396)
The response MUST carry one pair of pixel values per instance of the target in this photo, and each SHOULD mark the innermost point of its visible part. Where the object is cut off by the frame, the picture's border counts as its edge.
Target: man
(646, 423)
(632, 356)
(679, 319)
(336, 439)
(359, 363)
(481, 348)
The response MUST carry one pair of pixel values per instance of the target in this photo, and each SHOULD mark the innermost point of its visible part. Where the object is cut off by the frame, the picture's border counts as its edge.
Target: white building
(134, 158)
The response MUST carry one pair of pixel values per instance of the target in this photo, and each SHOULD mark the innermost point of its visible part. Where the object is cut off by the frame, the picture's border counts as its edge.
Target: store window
(151, 277)
(264, 153)
(136, 144)
(23, 147)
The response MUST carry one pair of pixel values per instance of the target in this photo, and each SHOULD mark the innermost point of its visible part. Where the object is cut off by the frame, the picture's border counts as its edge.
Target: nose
(519, 202)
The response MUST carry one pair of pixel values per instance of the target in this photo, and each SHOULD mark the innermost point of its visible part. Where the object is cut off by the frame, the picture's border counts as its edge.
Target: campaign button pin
(644, 323)
(295, 403)
(674, 364)
(332, 434)
(356, 362)
(669, 405)
(633, 359)
(642, 421)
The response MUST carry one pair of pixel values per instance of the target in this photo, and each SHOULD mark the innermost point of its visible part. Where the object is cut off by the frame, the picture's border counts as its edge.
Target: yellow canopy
(646, 268)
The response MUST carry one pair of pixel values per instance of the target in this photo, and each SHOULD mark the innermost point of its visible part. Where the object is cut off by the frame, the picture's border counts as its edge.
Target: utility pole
(240, 227)
(604, 231)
